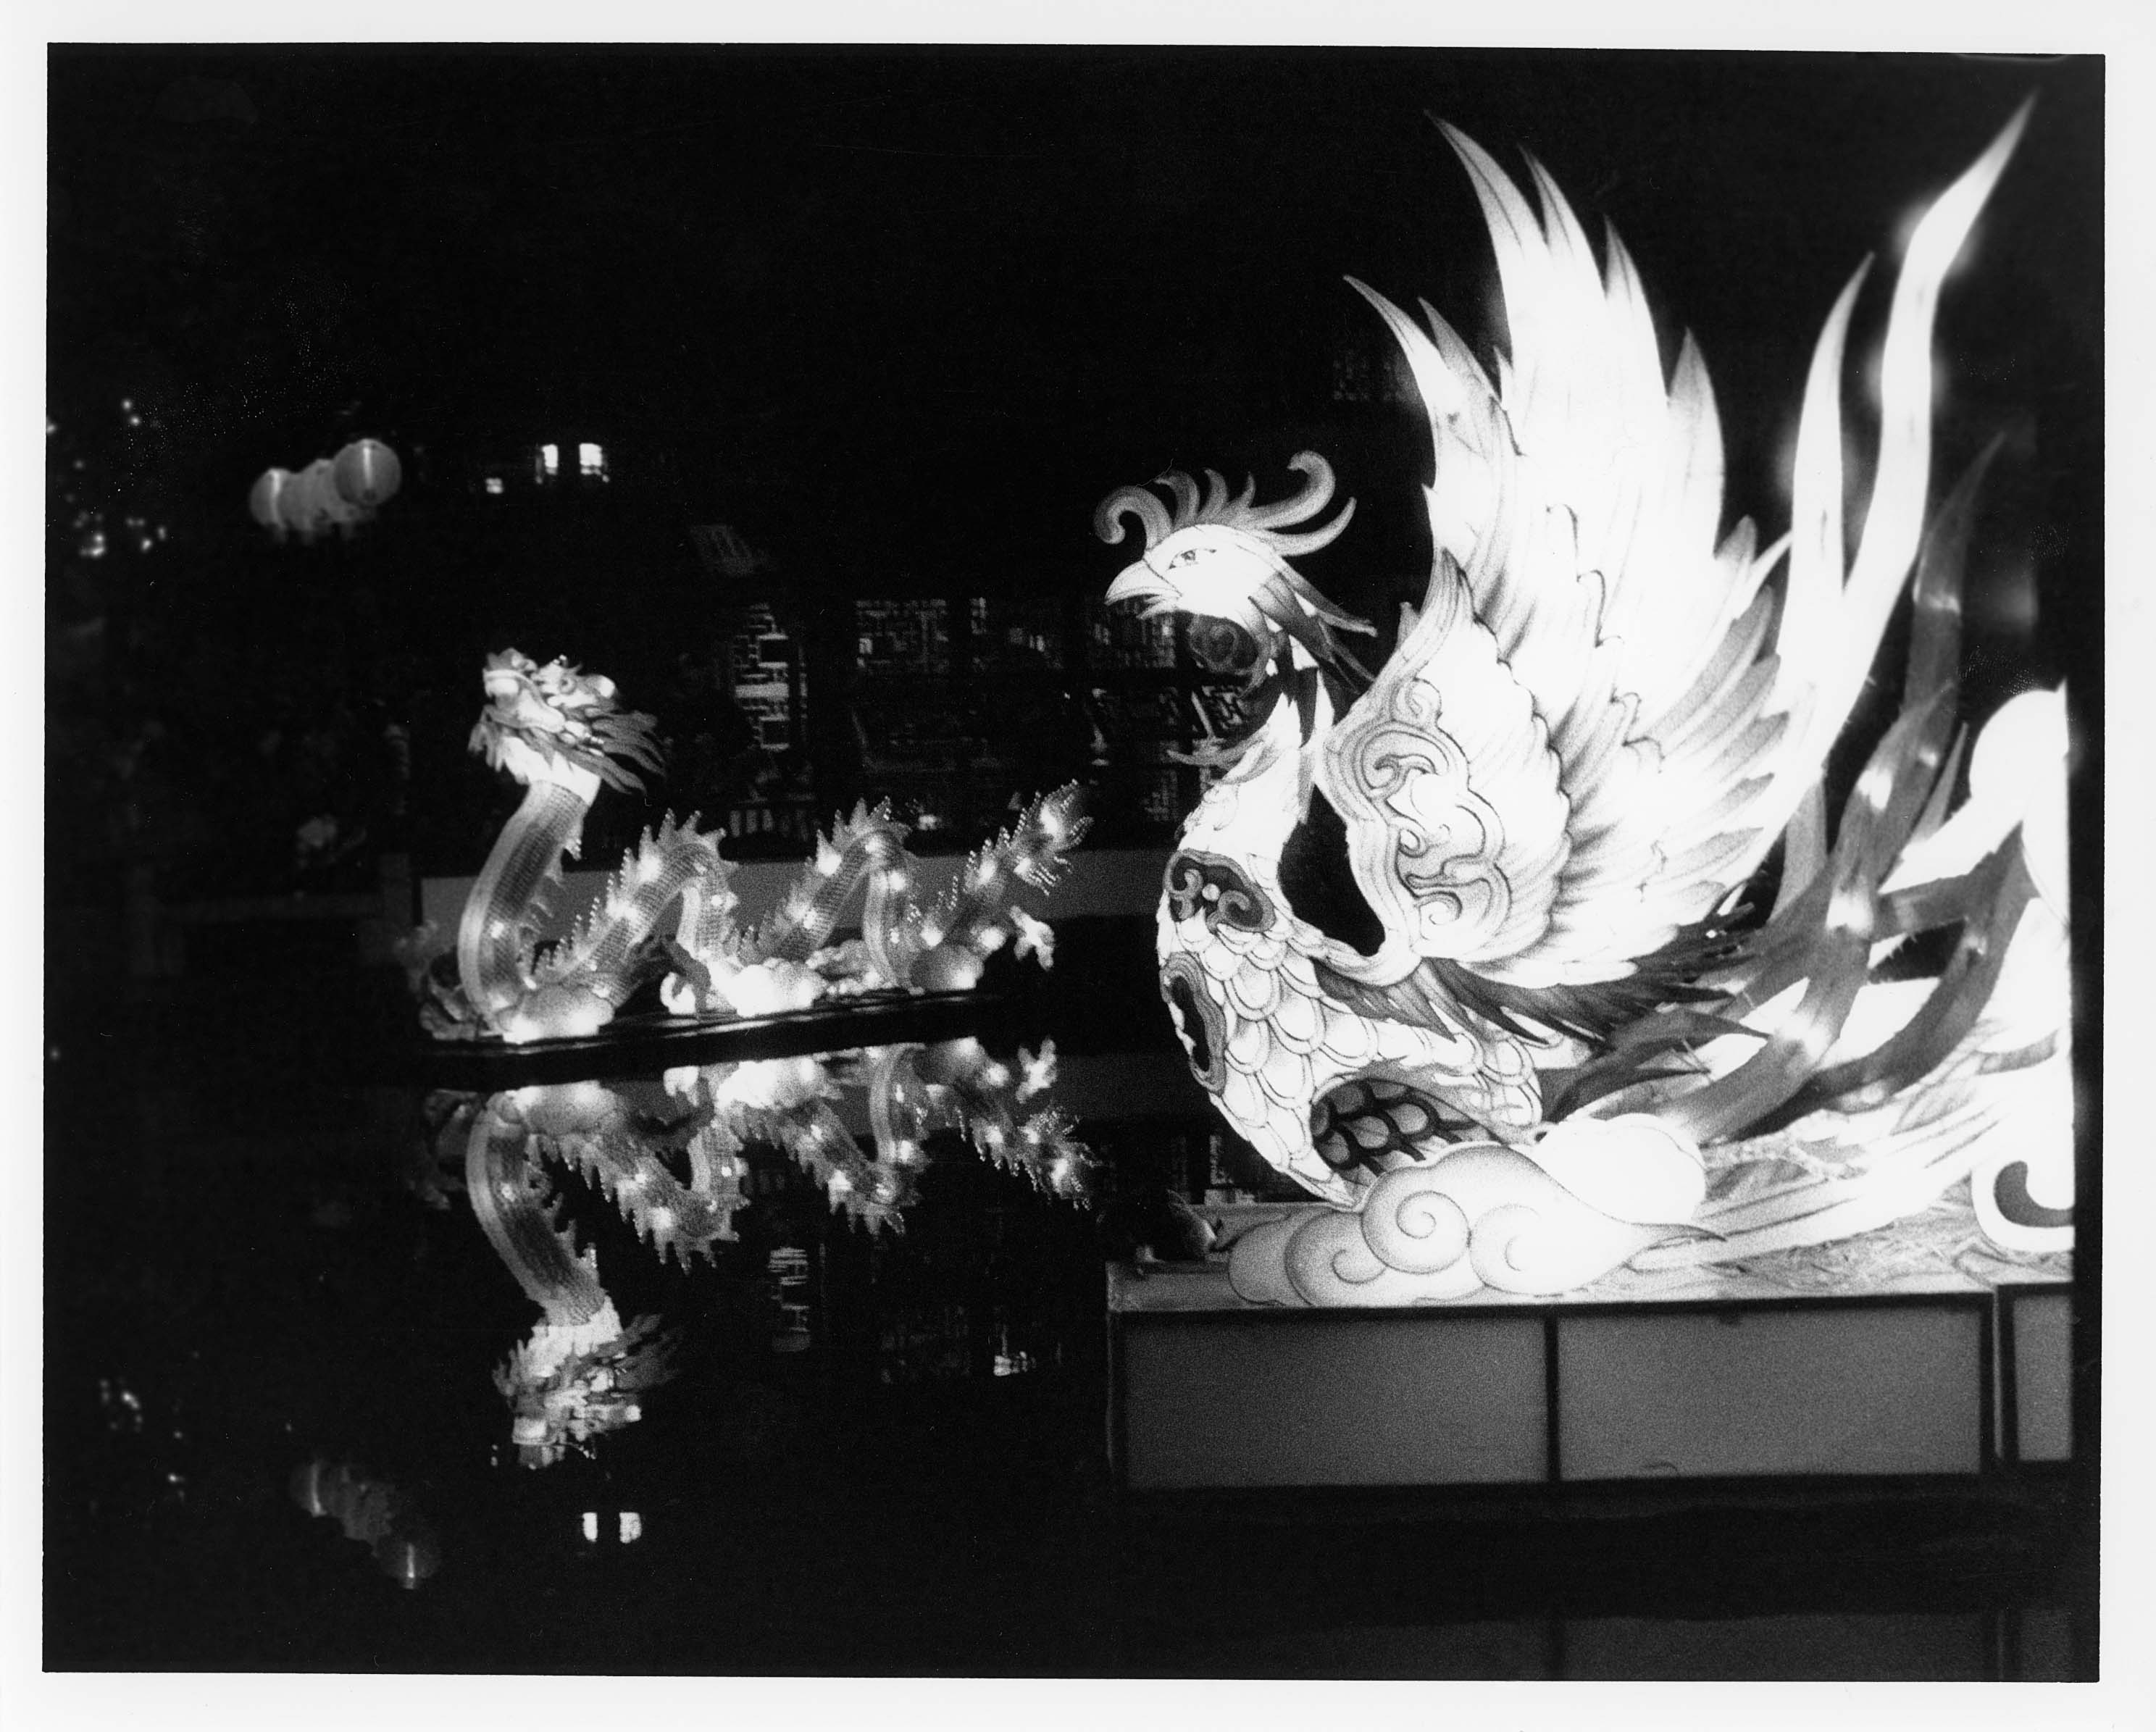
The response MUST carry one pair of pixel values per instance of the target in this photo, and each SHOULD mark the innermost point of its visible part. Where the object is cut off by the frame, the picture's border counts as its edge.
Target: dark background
(903, 316)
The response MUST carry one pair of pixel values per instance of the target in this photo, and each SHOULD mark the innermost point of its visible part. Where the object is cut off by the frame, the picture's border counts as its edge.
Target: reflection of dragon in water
(584, 1372)
(563, 735)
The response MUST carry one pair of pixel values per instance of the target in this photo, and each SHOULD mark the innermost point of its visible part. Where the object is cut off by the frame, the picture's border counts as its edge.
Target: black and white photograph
(1157, 861)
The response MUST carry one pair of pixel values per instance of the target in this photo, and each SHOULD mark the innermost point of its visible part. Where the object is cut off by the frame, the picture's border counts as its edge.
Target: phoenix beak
(1138, 582)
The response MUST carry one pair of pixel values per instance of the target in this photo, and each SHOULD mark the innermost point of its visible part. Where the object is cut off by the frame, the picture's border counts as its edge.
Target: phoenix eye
(1224, 646)
(1187, 556)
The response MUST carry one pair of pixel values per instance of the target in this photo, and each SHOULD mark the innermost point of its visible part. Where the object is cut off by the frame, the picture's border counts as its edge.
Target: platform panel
(1855, 1648)
(2042, 1337)
(1522, 1649)
(1233, 1401)
(2043, 1643)
(1812, 1390)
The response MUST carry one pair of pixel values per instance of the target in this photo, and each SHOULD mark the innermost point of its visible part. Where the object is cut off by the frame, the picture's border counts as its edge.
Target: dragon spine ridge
(864, 847)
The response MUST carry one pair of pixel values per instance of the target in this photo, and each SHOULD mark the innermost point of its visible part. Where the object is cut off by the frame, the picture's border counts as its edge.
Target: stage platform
(1710, 1377)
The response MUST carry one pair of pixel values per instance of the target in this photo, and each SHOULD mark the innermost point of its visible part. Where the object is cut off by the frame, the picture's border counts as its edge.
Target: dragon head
(549, 724)
(572, 1383)
(1224, 561)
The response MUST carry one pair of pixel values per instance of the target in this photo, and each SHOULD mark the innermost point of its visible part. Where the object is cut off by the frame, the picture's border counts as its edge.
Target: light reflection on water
(708, 1296)
(858, 1125)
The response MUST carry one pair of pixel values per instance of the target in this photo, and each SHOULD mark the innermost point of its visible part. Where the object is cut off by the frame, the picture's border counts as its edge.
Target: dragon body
(1557, 1039)
(791, 962)
(564, 735)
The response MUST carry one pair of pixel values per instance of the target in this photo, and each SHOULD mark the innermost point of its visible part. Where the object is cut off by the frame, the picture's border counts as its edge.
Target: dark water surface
(879, 1453)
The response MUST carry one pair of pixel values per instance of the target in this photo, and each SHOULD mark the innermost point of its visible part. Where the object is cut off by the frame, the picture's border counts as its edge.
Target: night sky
(954, 297)
(904, 317)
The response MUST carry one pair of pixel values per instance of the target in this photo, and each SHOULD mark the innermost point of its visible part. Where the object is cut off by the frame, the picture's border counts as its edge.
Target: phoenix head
(1223, 561)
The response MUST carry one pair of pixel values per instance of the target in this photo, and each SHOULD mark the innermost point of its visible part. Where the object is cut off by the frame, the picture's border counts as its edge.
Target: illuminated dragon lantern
(1554, 1040)
(564, 735)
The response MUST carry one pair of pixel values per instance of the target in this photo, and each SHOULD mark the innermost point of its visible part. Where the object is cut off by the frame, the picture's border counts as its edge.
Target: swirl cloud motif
(1482, 1218)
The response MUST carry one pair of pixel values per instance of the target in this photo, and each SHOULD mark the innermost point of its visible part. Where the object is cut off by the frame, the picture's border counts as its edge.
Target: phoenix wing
(1603, 716)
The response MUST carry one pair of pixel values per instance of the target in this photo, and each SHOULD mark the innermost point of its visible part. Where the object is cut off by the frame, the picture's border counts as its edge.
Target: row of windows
(591, 462)
(545, 466)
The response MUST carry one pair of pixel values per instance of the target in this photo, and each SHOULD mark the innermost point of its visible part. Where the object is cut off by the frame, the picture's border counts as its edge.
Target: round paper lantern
(295, 505)
(265, 500)
(368, 473)
(331, 508)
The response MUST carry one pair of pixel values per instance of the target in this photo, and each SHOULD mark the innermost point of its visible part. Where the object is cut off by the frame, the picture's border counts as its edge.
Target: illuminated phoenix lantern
(1552, 799)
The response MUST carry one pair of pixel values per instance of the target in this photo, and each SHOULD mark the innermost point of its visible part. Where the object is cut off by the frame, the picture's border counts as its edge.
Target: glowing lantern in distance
(368, 473)
(299, 505)
(311, 504)
(330, 504)
(265, 500)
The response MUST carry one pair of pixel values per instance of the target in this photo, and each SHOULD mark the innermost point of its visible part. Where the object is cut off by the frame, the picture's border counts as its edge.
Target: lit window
(632, 1526)
(494, 484)
(550, 461)
(591, 460)
(591, 1524)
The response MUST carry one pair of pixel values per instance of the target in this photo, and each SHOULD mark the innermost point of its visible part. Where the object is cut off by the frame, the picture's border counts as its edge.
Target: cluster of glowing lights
(339, 493)
(93, 540)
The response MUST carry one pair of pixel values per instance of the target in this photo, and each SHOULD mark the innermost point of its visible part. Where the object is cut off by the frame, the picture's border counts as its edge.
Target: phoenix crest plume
(1555, 793)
